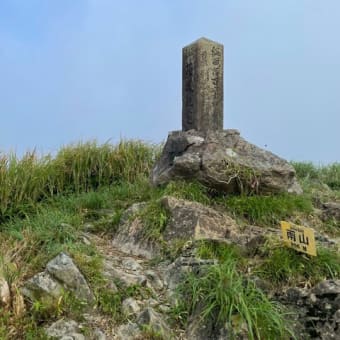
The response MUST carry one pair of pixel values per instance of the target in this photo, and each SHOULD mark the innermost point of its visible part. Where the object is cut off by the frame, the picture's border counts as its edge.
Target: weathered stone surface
(66, 272)
(61, 274)
(65, 330)
(327, 287)
(131, 264)
(192, 220)
(129, 331)
(225, 162)
(42, 286)
(130, 306)
(202, 86)
(153, 319)
(128, 236)
(5, 294)
(331, 210)
(127, 279)
(154, 279)
(317, 310)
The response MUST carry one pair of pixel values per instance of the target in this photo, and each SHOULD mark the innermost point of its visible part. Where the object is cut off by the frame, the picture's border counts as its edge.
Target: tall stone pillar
(202, 86)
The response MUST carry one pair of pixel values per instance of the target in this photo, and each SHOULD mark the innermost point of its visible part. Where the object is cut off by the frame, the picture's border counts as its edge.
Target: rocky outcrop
(188, 220)
(317, 309)
(192, 220)
(225, 162)
(65, 329)
(128, 237)
(61, 274)
(331, 210)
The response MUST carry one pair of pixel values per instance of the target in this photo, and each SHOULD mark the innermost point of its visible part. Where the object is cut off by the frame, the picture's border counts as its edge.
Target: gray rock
(65, 330)
(327, 287)
(128, 236)
(132, 210)
(153, 319)
(42, 286)
(331, 210)
(113, 273)
(98, 334)
(131, 264)
(224, 162)
(192, 220)
(154, 279)
(65, 271)
(130, 307)
(128, 331)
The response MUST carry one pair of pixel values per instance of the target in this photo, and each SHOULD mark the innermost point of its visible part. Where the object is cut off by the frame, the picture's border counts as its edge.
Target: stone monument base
(225, 162)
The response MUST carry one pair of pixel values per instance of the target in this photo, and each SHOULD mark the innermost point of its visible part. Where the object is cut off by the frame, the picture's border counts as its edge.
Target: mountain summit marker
(202, 86)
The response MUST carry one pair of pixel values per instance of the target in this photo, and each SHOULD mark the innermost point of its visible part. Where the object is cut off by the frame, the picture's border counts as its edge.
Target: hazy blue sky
(75, 70)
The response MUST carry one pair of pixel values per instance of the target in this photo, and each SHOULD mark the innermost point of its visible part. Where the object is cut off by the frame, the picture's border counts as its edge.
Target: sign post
(299, 238)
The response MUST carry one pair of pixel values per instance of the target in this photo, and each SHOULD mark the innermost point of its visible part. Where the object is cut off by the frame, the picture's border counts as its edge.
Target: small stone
(42, 286)
(127, 279)
(313, 298)
(153, 319)
(63, 268)
(336, 316)
(131, 264)
(98, 334)
(5, 294)
(64, 330)
(128, 331)
(154, 279)
(130, 306)
(327, 287)
(151, 302)
(88, 226)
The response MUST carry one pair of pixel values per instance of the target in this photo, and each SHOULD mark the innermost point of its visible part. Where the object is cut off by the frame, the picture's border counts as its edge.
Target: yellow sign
(299, 238)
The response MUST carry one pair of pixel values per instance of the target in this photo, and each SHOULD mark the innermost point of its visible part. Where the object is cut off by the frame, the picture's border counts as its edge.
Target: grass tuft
(222, 296)
(283, 266)
(267, 210)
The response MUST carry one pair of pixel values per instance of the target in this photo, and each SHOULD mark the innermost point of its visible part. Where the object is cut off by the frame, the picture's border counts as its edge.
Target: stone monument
(220, 159)
(202, 86)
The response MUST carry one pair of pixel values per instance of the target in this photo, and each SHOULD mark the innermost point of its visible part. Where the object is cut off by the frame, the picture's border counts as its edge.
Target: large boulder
(187, 221)
(192, 220)
(223, 161)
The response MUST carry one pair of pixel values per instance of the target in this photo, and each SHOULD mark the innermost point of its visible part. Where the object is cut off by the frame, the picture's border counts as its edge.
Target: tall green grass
(328, 174)
(267, 210)
(76, 168)
(222, 296)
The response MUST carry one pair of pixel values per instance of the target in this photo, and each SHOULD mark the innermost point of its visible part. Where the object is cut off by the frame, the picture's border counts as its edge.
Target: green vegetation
(329, 174)
(154, 218)
(267, 210)
(110, 301)
(223, 296)
(79, 168)
(219, 251)
(47, 202)
(284, 266)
